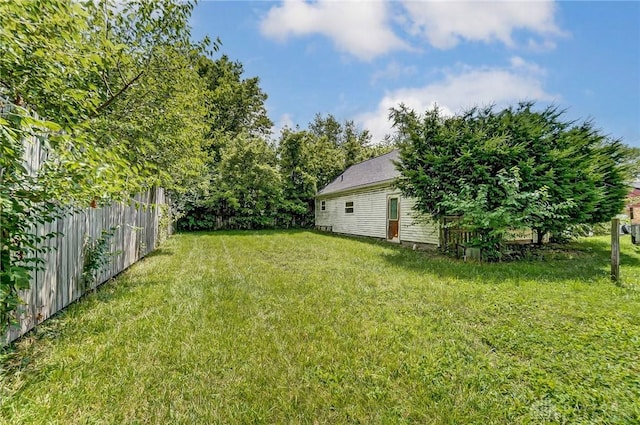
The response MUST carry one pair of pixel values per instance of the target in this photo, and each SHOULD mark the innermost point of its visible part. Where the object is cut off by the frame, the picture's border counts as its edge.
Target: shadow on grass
(539, 270)
(245, 232)
(23, 356)
(119, 287)
(160, 252)
(586, 260)
(602, 248)
(108, 289)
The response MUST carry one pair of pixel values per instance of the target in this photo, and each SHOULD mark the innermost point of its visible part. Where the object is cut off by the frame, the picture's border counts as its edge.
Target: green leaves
(248, 182)
(235, 104)
(97, 255)
(516, 168)
(123, 109)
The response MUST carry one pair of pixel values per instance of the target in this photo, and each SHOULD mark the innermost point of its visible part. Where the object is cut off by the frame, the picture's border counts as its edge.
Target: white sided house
(363, 201)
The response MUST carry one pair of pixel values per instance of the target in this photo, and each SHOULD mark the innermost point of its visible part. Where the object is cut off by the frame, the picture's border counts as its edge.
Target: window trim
(349, 207)
(397, 202)
(323, 205)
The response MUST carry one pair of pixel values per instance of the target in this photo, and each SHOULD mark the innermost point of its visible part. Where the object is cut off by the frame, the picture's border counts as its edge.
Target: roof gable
(371, 171)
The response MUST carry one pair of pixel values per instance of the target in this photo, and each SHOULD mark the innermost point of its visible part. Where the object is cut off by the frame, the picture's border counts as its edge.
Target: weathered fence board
(59, 281)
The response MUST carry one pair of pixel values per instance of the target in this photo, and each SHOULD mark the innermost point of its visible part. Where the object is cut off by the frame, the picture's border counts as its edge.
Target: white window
(348, 207)
(323, 206)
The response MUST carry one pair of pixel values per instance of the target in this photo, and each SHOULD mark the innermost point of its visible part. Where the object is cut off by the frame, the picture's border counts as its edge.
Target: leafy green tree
(326, 161)
(85, 67)
(235, 104)
(632, 156)
(565, 173)
(234, 111)
(93, 69)
(299, 184)
(328, 127)
(311, 159)
(491, 220)
(160, 123)
(246, 188)
(47, 64)
(355, 144)
(156, 107)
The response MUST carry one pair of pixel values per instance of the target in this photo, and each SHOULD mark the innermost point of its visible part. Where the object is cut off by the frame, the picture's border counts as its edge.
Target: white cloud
(460, 89)
(357, 27)
(445, 24)
(393, 71)
(543, 46)
(517, 63)
(285, 121)
(363, 27)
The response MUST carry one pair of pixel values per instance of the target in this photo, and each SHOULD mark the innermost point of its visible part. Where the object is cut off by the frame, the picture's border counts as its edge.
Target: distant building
(632, 209)
(363, 201)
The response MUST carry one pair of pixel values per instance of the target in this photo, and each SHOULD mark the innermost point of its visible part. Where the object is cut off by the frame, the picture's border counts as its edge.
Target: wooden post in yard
(615, 249)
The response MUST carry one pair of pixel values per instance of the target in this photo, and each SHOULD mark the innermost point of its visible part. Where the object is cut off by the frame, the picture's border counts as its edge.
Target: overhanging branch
(124, 88)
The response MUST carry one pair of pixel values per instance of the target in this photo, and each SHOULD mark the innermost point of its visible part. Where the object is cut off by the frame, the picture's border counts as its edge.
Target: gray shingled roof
(374, 170)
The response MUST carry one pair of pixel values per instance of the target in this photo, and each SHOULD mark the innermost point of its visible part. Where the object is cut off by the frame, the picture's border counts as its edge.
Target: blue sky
(356, 59)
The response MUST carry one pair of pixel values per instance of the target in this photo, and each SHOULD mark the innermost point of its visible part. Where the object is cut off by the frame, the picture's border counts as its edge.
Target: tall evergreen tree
(486, 162)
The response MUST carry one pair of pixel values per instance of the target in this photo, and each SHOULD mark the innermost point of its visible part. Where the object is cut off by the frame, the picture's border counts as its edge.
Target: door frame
(388, 218)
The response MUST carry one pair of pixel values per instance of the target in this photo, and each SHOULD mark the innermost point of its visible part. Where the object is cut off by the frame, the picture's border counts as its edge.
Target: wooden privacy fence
(60, 281)
(136, 228)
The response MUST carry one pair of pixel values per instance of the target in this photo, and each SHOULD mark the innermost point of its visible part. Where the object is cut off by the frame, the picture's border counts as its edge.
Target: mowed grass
(302, 327)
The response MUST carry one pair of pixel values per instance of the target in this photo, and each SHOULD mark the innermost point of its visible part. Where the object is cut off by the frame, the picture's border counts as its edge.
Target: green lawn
(302, 327)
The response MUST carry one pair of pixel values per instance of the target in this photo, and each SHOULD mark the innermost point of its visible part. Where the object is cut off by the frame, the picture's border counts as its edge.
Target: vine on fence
(97, 255)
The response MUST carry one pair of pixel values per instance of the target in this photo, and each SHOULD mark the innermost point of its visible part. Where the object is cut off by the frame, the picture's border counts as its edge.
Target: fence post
(615, 249)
